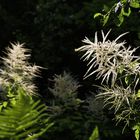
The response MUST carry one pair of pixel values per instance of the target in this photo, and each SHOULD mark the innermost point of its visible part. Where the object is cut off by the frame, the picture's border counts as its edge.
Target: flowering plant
(119, 69)
(17, 71)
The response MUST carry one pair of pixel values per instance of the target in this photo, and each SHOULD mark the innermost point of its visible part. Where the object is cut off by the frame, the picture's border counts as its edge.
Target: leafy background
(52, 29)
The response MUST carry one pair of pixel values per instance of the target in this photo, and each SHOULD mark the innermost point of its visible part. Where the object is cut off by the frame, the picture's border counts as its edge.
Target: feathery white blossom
(17, 71)
(107, 57)
(116, 97)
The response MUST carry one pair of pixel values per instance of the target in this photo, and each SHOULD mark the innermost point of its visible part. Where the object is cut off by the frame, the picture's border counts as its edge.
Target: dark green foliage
(69, 125)
(121, 9)
(60, 23)
(66, 111)
(23, 118)
(126, 18)
(74, 117)
(53, 29)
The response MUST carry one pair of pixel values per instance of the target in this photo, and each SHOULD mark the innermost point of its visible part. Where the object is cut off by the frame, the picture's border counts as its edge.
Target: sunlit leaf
(137, 131)
(95, 134)
(105, 19)
(121, 18)
(123, 1)
(97, 15)
(138, 93)
(135, 4)
(126, 13)
(127, 80)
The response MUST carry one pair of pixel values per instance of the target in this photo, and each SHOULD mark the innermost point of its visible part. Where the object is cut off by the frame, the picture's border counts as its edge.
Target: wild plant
(118, 67)
(22, 116)
(66, 109)
(17, 72)
(65, 91)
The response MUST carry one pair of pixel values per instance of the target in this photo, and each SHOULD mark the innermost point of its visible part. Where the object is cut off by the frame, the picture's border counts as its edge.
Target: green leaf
(105, 19)
(5, 103)
(97, 15)
(135, 4)
(138, 93)
(121, 18)
(137, 134)
(137, 130)
(95, 134)
(127, 80)
(126, 13)
(23, 118)
(123, 1)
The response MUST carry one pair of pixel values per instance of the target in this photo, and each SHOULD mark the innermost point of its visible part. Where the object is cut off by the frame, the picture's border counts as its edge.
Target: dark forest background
(52, 29)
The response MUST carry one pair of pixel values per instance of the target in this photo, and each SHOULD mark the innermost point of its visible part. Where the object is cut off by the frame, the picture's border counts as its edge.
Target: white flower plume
(107, 57)
(17, 70)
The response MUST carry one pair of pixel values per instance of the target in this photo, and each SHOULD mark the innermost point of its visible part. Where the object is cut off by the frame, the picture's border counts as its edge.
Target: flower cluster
(114, 62)
(108, 57)
(65, 91)
(65, 86)
(116, 97)
(17, 71)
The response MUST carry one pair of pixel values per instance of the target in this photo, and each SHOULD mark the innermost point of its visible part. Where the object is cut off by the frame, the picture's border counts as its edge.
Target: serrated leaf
(23, 117)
